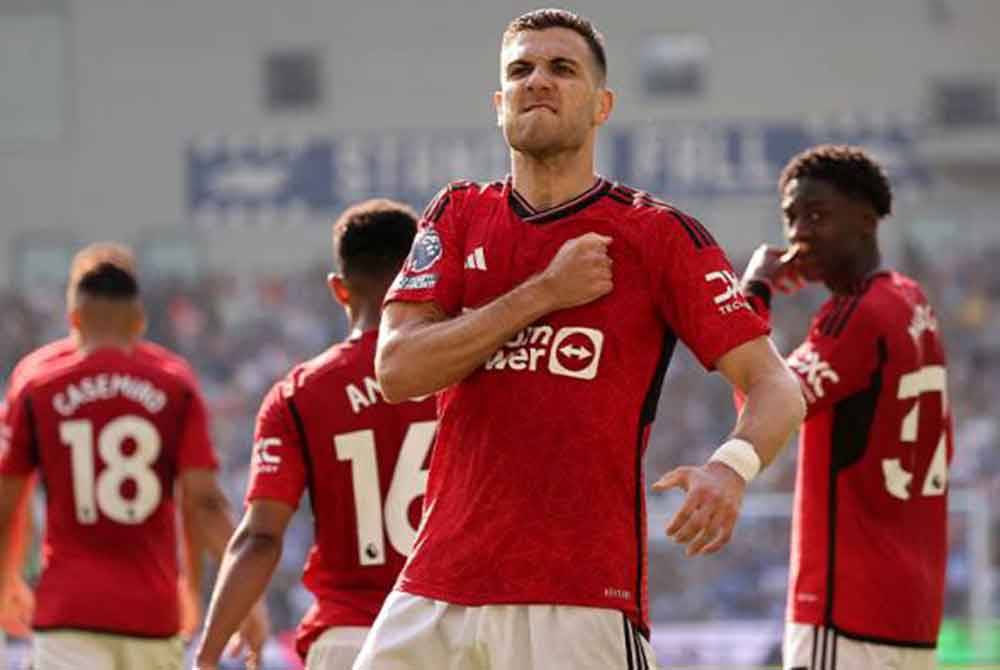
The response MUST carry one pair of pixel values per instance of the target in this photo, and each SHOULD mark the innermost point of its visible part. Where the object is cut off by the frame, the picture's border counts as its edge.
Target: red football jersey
(109, 431)
(536, 491)
(869, 533)
(325, 427)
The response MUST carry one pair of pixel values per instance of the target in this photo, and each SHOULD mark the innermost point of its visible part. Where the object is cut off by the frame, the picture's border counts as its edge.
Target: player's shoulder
(453, 196)
(870, 307)
(170, 362)
(46, 355)
(643, 210)
(330, 369)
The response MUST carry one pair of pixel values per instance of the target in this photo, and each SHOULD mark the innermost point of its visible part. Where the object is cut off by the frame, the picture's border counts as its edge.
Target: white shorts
(416, 633)
(72, 650)
(336, 648)
(808, 647)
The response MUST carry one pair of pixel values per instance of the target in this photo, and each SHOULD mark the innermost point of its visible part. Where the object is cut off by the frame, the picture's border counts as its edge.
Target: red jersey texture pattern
(325, 427)
(869, 529)
(109, 431)
(536, 491)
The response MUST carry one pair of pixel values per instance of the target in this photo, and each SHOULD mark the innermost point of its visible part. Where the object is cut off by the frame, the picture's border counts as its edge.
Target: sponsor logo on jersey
(265, 460)
(569, 352)
(923, 321)
(813, 372)
(415, 282)
(426, 250)
(729, 297)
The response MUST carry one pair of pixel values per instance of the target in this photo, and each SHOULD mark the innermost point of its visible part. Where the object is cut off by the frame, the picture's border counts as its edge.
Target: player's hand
(17, 606)
(580, 272)
(251, 636)
(776, 267)
(705, 521)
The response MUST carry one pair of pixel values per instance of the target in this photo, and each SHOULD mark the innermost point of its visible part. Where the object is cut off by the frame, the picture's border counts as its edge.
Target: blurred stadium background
(220, 138)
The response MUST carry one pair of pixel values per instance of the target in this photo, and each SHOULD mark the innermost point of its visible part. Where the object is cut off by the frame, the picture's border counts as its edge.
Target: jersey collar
(529, 214)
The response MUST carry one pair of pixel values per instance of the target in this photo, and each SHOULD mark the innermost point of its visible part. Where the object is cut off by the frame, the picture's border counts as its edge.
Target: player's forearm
(13, 507)
(426, 357)
(210, 525)
(249, 562)
(773, 408)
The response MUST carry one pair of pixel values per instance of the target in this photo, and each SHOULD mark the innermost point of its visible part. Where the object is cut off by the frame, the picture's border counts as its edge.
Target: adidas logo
(476, 260)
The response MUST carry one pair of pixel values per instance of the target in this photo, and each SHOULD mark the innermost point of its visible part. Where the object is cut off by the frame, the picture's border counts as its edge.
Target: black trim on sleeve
(306, 456)
(761, 289)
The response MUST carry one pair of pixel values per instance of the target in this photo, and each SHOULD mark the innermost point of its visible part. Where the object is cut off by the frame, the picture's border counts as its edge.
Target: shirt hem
(481, 600)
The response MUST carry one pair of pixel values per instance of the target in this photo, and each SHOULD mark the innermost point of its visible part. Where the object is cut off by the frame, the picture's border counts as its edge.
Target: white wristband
(740, 456)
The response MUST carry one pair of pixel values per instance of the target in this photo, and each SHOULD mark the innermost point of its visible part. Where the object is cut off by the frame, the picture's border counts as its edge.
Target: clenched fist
(580, 272)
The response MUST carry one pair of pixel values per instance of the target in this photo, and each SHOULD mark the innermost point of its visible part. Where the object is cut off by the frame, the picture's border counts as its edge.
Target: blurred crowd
(241, 334)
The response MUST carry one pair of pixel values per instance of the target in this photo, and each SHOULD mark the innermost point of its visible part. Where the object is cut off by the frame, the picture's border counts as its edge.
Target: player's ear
(604, 104)
(74, 318)
(338, 288)
(139, 321)
(498, 107)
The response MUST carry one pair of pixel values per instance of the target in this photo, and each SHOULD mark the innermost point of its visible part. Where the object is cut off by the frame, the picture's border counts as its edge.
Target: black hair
(542, 19)
(109, 281)
(851, 170)
(372, 239)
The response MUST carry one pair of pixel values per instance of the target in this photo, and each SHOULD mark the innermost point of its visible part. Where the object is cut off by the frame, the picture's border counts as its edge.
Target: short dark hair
(103, 270)
(110, 282)
(542, 19)
(851, 170)
(372, 239)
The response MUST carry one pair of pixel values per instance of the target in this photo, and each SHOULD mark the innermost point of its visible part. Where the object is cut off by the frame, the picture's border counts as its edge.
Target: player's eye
(517, 71)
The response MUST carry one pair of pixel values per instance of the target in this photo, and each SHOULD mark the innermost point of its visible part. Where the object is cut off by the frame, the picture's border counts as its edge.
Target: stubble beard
(544, 143)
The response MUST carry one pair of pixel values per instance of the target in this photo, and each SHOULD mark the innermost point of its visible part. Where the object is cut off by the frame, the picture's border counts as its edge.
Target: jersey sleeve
(840, 354)
(196, 450)
(433, 270)
(18, 452)
(699, 293)
(277, 466)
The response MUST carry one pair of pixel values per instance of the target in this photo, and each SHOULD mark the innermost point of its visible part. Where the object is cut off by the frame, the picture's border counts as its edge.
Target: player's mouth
(540, 105)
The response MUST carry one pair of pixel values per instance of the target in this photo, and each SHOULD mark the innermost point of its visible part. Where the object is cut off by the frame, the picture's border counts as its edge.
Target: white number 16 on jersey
(409, 482)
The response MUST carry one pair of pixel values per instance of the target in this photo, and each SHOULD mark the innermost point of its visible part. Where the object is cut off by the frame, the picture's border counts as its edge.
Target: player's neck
(855, 273)
(91, 342)
(548, 182)
(364, 318)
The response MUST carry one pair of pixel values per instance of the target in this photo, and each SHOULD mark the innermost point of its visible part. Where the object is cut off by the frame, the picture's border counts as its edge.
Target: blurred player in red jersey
(869, 529)
(111, 422)
(17, 601)
(325, 428)
(545, 308)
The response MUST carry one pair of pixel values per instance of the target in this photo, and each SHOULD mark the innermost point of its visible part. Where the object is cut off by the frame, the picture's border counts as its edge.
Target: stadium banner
(274, 179)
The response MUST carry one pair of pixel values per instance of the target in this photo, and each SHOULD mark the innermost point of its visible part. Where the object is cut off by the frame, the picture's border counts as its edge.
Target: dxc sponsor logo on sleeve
(729, 297)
